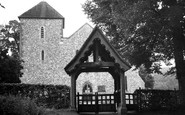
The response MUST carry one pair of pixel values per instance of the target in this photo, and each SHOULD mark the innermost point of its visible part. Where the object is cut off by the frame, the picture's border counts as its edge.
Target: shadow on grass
(158, 113)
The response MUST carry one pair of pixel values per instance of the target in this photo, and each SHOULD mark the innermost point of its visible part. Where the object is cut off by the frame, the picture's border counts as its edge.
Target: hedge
(49, 96)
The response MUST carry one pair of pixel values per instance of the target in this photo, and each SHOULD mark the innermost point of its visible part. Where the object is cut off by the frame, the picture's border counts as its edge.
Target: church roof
(107, 52)
(42, 11)
(83, 29)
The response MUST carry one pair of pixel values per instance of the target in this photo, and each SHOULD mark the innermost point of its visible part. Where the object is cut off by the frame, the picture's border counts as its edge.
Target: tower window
(42, 54)
(42, 32)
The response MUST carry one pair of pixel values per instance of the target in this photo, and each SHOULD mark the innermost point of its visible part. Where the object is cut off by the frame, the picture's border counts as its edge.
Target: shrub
(11, 105)
(49, 96)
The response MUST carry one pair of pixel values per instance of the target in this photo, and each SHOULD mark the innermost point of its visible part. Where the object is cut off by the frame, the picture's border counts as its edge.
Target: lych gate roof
(106, 52)
(42, 11)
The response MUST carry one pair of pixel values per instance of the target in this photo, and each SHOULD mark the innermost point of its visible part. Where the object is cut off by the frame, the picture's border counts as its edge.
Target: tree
(144, 31)
(2, 5)
(10, 62)
(146, 77)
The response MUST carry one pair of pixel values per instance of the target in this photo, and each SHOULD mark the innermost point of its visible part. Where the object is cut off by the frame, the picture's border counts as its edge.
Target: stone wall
(36, 70)
(58, 52)
(97, 79)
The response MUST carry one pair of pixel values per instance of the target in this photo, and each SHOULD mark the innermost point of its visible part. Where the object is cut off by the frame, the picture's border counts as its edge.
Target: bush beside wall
(152, 100)
(49, 96)
(11, 105)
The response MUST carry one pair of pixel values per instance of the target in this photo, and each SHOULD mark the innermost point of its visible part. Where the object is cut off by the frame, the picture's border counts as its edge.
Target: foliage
(11, 105)
(146, 77)
(10, 62)
(2, 5)
(152, 100)
(144, 31)
(49, 96)
(141, 30)
(10, 70)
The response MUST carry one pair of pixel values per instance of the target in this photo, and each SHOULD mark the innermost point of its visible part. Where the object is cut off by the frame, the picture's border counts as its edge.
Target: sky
(71, 10)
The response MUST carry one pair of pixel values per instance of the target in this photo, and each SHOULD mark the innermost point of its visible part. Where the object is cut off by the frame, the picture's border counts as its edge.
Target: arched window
(42, 55)
(87, 88)
(42, 32)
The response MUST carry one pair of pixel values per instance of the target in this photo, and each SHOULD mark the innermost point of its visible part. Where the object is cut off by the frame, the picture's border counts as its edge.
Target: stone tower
(42, 31)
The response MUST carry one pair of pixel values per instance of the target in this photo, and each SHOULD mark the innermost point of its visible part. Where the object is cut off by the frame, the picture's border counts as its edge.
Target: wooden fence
(49, 96)
(131, 101)
(151, 100)
(58, 96)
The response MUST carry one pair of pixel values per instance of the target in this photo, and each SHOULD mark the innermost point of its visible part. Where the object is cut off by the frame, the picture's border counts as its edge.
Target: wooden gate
(131, 101)
(96, 102)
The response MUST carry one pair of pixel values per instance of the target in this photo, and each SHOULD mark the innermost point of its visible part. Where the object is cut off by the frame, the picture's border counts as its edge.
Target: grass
(12, 105)
(59, 112)
(15, 105)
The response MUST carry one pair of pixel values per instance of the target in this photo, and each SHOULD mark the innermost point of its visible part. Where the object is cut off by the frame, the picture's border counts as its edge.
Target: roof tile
(42, 11)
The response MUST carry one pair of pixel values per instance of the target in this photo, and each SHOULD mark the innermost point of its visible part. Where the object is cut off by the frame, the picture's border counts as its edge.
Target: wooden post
(96, 102)
(73, 93)
(122, 109)
(78, 95)
(96, 52)
(176, 97)
(115, 98)
(140, 100)
(115, 85)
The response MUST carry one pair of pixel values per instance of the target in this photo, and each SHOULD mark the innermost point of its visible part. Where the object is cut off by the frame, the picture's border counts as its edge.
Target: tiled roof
(83, 28)
(42, 11)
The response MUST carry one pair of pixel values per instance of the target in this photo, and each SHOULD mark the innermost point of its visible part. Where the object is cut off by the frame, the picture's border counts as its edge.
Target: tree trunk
(179, 61)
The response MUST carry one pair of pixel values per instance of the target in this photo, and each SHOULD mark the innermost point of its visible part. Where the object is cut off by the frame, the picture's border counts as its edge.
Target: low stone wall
(49, 96)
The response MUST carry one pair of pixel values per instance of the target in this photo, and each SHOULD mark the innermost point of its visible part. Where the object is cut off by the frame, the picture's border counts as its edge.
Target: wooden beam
(97, 64)
(95, 70)
(122, 109)
(94, 67)
(73, 93)
(96, 51)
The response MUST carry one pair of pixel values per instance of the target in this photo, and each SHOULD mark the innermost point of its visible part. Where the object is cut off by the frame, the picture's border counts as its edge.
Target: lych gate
(105, 59)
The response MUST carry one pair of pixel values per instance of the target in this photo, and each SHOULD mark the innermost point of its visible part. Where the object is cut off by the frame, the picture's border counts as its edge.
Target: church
(46, 53)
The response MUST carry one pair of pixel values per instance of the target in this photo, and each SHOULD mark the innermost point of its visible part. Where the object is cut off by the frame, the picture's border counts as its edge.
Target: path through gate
(96, 102)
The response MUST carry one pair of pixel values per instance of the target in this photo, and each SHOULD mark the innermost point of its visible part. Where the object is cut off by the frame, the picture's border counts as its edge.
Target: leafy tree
(146, 77)
(144, 31)
(2, 5)
(10, 62)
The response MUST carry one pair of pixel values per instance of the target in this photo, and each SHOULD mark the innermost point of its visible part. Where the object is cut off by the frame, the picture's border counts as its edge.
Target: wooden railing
(131, 101)
(96, 102)
(131, 98)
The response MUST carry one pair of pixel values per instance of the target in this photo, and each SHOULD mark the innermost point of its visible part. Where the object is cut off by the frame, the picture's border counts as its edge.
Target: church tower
(42, 31)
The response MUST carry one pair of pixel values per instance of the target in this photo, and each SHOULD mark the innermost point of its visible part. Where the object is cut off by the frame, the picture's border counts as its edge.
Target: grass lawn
(158, 113)
(65, 112)
(59, 112)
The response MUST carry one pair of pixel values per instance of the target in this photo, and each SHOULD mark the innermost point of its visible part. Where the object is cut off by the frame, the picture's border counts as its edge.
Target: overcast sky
(70, 9)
